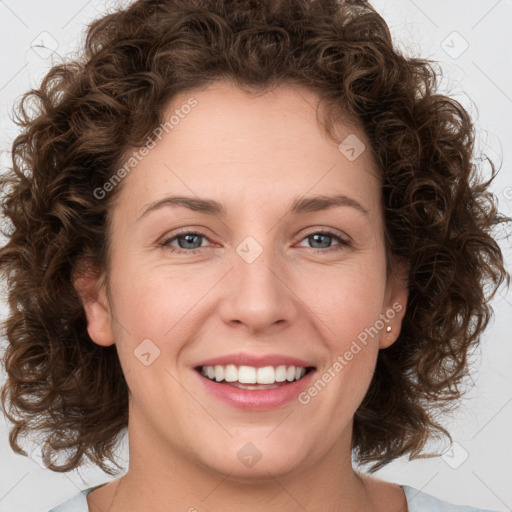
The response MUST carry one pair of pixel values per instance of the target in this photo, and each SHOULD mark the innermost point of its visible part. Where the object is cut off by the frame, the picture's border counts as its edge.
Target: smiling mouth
(252, 378)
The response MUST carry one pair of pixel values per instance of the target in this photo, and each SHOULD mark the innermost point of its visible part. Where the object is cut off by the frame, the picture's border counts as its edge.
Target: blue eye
(190, 242)
(187, 241)
(325, 238)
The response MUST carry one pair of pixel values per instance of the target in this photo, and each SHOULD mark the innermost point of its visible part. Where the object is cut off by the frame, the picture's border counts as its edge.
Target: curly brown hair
(76, 130)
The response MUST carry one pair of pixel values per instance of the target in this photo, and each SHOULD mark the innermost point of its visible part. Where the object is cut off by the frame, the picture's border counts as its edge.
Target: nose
(258, 294)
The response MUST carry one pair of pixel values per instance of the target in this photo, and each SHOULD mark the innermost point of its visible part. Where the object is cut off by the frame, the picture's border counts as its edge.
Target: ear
(92, 291)
(397, 292)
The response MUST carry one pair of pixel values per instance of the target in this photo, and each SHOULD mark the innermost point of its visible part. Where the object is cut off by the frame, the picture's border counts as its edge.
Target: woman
(249, 233)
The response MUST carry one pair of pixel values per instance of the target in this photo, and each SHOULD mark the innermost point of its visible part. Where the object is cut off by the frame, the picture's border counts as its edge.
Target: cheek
(156, 310)
(152, 302)
(143, 320)
(347, 301)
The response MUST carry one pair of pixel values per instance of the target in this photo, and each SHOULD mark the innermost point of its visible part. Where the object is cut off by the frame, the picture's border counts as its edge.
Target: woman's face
(258, 287)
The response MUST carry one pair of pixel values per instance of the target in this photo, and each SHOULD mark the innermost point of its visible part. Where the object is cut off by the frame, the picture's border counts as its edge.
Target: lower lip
(257, 399)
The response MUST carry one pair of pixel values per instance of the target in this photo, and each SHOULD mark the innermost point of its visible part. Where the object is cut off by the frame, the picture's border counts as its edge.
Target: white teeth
(247, 375)
(219, 373)
(266, 375)
(230, 373)
(281, 373)
(251, 375)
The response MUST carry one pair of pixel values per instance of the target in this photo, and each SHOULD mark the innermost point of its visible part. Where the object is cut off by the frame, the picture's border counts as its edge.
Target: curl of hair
(79, 125)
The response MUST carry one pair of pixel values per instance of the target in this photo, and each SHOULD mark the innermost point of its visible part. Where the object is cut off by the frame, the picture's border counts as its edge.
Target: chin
(255, 458)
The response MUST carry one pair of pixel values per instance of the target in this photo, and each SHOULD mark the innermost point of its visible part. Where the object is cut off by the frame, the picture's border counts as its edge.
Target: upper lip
(257, 361)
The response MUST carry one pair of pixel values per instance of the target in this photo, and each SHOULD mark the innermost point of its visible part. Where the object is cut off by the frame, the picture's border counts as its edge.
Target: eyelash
(342, 243)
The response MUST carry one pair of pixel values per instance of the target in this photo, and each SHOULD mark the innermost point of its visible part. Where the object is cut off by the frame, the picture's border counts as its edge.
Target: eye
(192, 241)
(323, 240)
(188, 242)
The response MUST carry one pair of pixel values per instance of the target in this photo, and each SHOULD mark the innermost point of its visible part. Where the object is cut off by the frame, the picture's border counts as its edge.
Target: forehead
(228, 116)
(254, 147)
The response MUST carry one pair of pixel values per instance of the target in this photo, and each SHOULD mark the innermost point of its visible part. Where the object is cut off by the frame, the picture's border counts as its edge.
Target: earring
(388, 328)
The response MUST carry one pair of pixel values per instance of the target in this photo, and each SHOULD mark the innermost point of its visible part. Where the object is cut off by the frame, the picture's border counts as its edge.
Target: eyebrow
(298, 205)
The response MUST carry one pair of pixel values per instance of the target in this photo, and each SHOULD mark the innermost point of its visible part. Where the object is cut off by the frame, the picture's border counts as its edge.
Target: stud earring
(388, 328)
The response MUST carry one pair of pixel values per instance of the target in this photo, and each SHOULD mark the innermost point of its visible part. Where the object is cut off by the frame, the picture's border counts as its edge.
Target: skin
(253, 154)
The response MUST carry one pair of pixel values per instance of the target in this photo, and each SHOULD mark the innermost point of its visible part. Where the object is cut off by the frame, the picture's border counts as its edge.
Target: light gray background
(478, 470)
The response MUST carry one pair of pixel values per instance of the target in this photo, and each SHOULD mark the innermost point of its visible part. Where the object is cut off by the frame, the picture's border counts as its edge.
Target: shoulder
(77, 503)
(418, 501)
